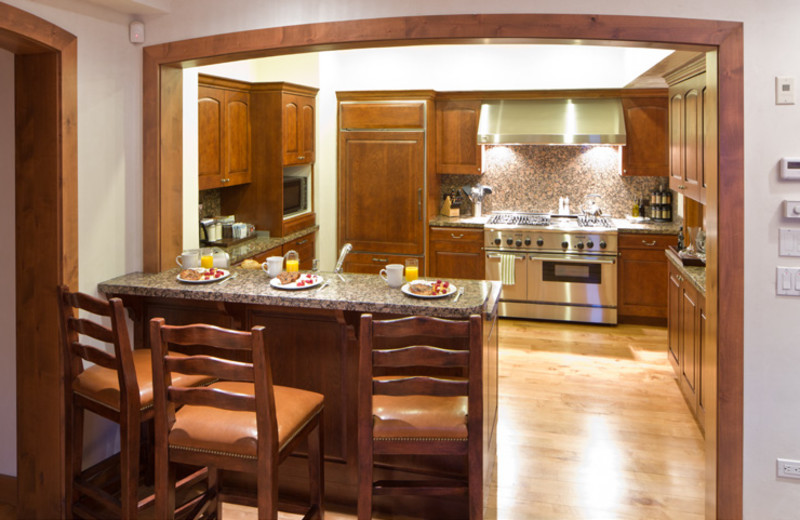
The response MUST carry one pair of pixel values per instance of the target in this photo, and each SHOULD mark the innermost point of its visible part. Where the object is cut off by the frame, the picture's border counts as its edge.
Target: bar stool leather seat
(101, 384)
(235, 434)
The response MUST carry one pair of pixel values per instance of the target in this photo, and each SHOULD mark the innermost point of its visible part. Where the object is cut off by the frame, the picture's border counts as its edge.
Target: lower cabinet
(457, 253)
(642, 277)
(687, 325)
(303, 245)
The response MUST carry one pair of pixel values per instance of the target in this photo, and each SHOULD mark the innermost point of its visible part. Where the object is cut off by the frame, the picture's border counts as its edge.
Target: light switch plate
(789, 242)
(788, 281)
(784, 90)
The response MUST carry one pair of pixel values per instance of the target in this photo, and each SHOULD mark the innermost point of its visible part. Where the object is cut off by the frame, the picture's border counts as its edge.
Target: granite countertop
(360, 292)
(463, 222)
(261, 243)
(623, 225)
(695, 274)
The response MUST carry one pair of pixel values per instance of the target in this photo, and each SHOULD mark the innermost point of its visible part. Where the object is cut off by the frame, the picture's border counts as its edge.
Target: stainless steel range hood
(552, 121)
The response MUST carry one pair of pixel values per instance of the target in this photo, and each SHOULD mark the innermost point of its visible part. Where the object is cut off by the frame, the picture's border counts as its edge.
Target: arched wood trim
(46, 100)
(163, 168)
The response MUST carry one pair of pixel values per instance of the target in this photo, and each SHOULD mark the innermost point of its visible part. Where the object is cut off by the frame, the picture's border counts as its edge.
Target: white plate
(315, 281)
(225, 274)
(450, 290)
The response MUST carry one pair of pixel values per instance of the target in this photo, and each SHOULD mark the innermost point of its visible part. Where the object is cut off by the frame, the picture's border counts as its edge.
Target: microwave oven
(295, 195)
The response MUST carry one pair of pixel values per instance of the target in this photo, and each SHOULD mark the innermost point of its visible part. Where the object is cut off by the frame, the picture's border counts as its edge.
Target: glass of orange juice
(292, 261)
(206, 258)
(412, 269)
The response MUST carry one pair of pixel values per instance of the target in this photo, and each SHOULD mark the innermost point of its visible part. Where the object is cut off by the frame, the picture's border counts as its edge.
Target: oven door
(573, 279)
(517, 291)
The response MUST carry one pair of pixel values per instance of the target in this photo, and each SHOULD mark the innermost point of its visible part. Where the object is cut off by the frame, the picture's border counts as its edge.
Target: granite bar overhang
(359, 292)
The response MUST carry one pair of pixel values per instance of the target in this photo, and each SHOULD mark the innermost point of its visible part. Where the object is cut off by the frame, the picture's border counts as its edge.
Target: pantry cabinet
(456, 253)
(224, 138)
(457, 149)
(686, 352)
(642, 278)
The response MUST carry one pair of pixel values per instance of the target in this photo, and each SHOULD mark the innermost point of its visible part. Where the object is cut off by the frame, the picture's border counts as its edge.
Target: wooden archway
(45, 74)
(163, 168)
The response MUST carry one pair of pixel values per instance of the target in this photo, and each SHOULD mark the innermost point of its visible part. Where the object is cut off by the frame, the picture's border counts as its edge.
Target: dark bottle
(680, 239)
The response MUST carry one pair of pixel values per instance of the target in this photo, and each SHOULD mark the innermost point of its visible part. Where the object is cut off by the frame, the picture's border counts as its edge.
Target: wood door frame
(46, 106)
(162, 182)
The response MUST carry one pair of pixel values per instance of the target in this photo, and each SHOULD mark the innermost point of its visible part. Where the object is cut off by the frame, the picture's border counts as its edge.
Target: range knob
(527, 241)
(589, 244)
(540, 241)
(519, 242)
(580, 245)
(509, 241)
(497, 241)
(565, 244)
(603, 244)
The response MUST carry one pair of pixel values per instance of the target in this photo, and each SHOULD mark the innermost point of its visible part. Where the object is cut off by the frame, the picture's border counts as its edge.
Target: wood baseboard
(8, 489)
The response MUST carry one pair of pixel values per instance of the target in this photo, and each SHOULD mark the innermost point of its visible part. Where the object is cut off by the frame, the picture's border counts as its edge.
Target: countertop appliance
(564, 266)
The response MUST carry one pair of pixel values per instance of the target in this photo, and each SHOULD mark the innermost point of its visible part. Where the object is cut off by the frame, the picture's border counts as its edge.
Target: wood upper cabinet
(456, 253)
(457, 149)
(298, 129)
(224, 138)
(642, 277)
(646, 122)
(690, 136)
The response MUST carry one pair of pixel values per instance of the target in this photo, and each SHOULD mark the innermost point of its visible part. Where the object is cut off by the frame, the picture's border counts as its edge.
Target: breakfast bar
(314, 345)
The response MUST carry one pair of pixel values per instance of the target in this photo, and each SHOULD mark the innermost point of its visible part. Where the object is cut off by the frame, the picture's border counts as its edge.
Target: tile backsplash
(531, 178)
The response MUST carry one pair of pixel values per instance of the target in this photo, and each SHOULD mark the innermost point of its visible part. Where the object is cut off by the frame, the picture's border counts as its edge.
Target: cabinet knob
(301, 157)
(681, 187)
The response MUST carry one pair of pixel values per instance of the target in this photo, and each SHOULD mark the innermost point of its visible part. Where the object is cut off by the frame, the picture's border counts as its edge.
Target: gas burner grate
(594, 221)
(520, 219)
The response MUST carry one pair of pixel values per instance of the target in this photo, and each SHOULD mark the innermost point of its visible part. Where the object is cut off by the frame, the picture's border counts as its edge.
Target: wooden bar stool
(403, 410)
(118, 387)
(239, 423)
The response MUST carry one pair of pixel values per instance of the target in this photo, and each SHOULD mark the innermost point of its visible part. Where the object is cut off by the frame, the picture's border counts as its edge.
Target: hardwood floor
(592, 425)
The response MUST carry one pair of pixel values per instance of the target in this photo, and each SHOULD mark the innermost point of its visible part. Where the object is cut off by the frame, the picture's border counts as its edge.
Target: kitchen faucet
(345, 249)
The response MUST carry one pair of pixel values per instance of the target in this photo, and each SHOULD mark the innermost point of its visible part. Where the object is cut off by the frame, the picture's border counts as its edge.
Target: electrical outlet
(789, 468)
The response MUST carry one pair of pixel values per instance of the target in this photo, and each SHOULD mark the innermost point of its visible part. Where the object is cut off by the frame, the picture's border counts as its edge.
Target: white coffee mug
(221, 259)
(188, 259)
(393, 275)
(273, 266)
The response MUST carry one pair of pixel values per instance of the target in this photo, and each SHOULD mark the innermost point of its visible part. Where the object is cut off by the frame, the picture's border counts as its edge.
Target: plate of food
(429, 288)
(203, 275)
(293, 280)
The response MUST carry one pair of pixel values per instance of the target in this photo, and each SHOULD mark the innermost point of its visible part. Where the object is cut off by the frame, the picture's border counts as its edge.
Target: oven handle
(497, 255)
(572, 260)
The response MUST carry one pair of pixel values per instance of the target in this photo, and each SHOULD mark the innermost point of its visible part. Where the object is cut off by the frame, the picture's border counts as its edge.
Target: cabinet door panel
(209, 137)
(456, 264)
(306, 131)
(291, 144)
(381, 204)
(676, 140)
(675, 294)
(688, 355)
(646, 152)
(457, 149)
(238, 137)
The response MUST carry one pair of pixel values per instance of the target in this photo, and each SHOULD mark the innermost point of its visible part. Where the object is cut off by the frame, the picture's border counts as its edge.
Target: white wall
(110, 169)
(8, 304)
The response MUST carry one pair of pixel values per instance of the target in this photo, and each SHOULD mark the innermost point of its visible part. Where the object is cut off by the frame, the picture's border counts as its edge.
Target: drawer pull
(681, 187)
(453, 235)
(649, 244)
(382, 260)
(301, 242)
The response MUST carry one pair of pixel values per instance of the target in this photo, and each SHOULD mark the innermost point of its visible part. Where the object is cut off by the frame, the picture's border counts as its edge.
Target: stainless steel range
(562, 267)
